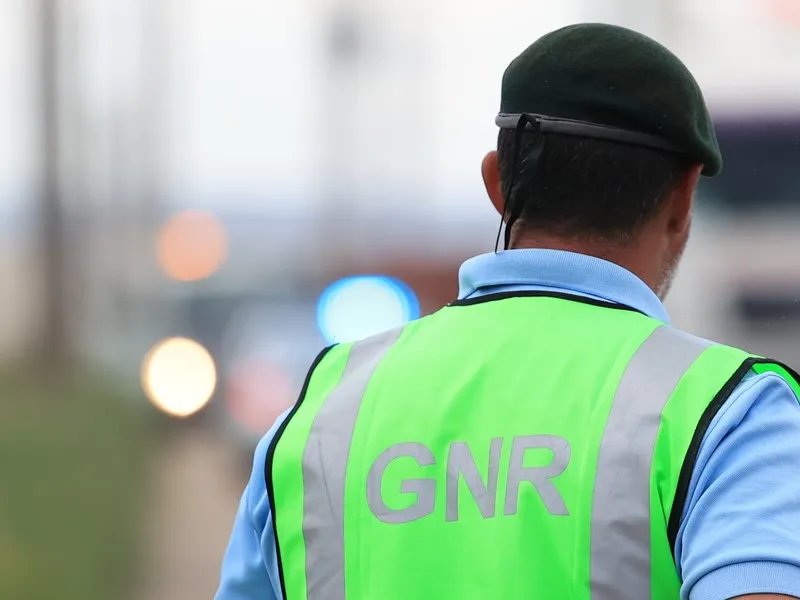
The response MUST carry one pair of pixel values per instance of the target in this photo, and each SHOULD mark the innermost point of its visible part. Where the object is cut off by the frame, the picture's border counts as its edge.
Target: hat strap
(547, 124)
(514, 206)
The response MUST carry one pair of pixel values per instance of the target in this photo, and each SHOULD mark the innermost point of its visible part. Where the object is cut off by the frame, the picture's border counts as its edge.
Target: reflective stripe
(620, 529)
(324, 466)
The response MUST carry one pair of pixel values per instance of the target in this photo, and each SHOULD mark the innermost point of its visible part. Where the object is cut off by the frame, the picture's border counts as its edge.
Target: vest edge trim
(543, 294)
(270, 457)
(689, 461)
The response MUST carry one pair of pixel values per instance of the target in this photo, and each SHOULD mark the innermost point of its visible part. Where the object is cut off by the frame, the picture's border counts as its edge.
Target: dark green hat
(608, 82)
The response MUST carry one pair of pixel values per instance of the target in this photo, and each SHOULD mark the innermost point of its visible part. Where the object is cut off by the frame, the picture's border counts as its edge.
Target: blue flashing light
(359, 306)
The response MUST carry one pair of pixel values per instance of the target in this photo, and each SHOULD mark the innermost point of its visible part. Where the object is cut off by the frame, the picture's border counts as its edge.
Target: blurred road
(197, 477)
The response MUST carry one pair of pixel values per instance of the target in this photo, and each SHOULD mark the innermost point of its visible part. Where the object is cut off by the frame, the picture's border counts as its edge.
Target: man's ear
(680, 216)
(490, 170)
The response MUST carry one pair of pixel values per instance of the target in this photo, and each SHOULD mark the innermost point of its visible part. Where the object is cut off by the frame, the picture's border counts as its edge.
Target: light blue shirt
(740, 531)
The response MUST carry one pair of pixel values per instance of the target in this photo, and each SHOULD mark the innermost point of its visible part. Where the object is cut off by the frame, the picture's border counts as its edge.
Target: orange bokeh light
(192, 245)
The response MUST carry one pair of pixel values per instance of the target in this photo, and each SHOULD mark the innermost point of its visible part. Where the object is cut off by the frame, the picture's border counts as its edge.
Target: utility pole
(54, 343)
(342, 61)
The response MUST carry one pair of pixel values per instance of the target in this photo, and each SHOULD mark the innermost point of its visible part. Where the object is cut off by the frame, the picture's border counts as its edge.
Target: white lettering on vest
(461, 463)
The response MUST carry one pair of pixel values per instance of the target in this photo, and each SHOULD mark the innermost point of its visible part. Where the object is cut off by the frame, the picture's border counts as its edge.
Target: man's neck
(634, 256)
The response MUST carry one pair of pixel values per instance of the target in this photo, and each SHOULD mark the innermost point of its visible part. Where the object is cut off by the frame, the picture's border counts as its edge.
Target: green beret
(609, 82)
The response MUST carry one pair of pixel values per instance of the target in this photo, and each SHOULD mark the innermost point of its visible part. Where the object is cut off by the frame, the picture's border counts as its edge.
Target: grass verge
(73, 454)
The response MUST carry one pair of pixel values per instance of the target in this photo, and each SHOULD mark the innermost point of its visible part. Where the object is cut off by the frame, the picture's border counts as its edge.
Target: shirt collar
(559, 271)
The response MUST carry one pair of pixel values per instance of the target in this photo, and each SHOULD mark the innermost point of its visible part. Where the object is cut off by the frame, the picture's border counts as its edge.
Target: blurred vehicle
(742, 282)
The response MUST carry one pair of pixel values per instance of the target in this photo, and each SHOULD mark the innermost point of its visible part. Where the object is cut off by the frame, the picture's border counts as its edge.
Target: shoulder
(754, 399)
(762, 407)
(742, 512)
(256, 496)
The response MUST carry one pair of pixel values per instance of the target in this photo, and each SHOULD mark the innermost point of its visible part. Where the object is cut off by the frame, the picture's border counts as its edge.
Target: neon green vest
(510, 447)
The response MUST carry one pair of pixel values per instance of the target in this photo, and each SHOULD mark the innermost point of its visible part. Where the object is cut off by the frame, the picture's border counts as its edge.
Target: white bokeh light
(179, 376)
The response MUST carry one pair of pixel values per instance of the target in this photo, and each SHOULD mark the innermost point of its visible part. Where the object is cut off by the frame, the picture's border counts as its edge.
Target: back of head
(587, 188)
(620, 121)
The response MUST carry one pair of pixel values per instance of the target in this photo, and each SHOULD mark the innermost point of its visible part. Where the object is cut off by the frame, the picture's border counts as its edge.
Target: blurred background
(197, 195)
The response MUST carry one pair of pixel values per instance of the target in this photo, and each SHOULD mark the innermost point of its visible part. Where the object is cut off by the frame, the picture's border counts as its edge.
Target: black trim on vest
(542, 294)
(271, 457)
(700, 432)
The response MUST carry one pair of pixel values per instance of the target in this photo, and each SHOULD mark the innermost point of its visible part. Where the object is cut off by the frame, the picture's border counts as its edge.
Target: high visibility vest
(514, 446)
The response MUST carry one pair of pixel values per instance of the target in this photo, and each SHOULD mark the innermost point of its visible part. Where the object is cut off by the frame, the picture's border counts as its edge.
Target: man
(549, 434)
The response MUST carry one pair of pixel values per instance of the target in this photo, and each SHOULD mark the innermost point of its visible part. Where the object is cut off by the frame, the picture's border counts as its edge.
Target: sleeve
(250, 565)
(740, 531)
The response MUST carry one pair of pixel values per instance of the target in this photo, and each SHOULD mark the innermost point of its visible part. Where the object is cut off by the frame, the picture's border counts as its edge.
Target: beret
(609, 82)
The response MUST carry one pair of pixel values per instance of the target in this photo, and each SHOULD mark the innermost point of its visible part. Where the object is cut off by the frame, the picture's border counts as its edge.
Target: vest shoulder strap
(747, 363)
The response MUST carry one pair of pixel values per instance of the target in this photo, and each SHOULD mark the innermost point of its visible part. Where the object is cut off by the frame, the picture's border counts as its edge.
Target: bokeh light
(357, 307)
(192, 245)
(256, 392)
(179, 376)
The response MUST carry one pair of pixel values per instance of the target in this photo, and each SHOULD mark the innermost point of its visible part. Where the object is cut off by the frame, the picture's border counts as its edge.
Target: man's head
(604, 134)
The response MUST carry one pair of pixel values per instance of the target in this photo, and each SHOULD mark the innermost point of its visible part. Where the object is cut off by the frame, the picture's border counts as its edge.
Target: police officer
(549, 434)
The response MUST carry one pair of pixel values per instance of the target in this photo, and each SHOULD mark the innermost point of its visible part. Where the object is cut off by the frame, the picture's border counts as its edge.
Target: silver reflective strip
(324, 465)
(620, 528)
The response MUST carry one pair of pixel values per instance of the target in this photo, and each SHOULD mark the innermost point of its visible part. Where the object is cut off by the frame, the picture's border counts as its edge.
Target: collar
(557, 271)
